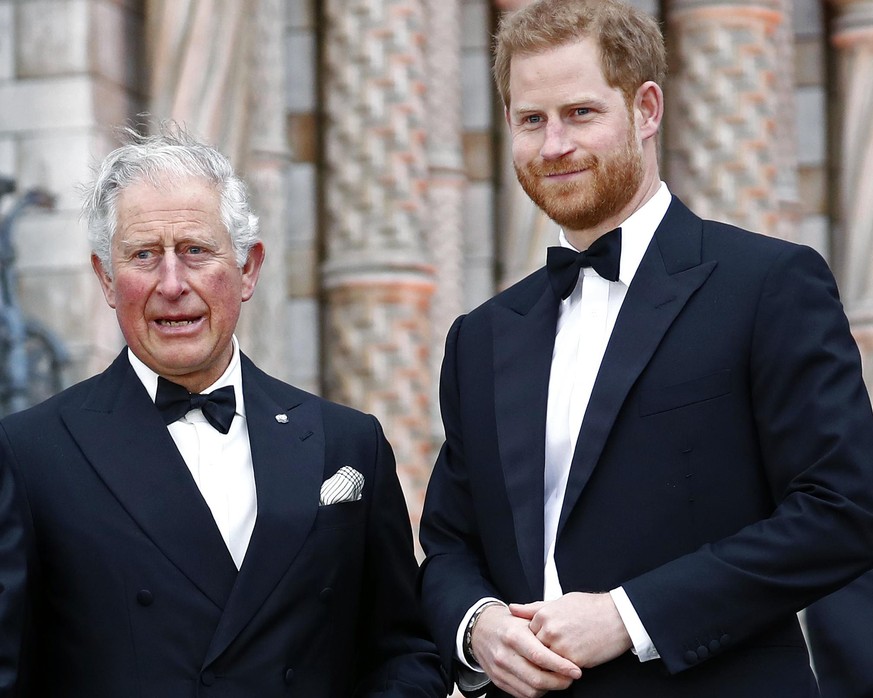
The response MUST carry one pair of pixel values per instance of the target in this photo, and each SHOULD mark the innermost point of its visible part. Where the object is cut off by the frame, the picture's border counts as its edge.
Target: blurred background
(374, 146)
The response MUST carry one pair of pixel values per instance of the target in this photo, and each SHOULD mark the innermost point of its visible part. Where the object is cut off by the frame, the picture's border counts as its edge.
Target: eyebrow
(580, 101)
(524, 109)
(139, 241)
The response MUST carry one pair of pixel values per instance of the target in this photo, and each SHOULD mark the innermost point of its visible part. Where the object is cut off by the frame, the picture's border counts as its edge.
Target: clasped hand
(528, 650)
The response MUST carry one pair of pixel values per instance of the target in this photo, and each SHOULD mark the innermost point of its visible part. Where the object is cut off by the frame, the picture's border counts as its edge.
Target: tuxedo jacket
(117, 581)
(723, 473)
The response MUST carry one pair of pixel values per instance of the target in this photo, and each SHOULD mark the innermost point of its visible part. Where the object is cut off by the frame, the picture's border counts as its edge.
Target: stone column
(377, 277)
(722, 118)
(302, 341)
(787, 167)
(478, 119)
(852, 39)
(447, 180)
(264, 164)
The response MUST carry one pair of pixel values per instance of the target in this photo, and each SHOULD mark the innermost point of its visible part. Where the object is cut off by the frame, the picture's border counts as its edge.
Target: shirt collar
(231, 376)
(636, 233)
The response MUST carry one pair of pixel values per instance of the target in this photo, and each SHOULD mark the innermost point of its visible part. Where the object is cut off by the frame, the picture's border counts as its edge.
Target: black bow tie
(564, 264)
(174, 402)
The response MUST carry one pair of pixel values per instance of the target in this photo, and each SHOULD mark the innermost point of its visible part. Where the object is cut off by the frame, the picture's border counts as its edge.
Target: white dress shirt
(585, 322)
(221, 464)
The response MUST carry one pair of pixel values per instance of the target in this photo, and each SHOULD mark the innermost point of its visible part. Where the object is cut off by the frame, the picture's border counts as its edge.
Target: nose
(171, 283)
(556, 142)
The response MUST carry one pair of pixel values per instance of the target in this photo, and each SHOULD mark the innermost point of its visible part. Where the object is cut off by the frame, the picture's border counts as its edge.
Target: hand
(514, 659)
(584, 628)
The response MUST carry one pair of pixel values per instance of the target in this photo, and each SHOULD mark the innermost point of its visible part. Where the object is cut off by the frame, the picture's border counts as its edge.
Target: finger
(521, 678)
(515, 686)
(548, 660)
(526, 610)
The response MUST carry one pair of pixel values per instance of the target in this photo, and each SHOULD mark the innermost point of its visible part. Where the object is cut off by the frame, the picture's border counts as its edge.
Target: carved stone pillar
(787, 174)
(264, 163)
(377, 278)
(722, 132)
(445, 192)
(853, 40)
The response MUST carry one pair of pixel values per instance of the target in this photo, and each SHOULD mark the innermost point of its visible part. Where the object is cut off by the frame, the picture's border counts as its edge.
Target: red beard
(601, 193)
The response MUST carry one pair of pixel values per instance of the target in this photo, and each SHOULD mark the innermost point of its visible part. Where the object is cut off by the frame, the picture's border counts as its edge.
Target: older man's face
(175, 284)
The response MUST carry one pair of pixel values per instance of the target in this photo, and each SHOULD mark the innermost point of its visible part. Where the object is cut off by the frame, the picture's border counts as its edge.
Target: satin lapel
(669, 274)
(524, 337)
(288, 458)
(124, 439)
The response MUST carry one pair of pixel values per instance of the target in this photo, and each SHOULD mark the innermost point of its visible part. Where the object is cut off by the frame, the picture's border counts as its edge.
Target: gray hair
(171, 155)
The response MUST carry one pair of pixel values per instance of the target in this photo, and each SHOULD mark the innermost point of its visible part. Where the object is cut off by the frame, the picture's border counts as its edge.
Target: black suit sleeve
(454, 575)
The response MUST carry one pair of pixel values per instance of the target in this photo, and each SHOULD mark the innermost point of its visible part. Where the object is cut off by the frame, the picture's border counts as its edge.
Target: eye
(581, 111)
(534, 119)
(143, 254)
(194, 249)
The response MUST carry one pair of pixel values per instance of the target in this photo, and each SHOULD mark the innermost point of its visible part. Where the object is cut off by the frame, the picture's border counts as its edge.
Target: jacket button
(703, 652)
(691, 657)
(289, 676)
(144, 597)
(714, 646)
(326, 594)
(724, 639)
(207, 678)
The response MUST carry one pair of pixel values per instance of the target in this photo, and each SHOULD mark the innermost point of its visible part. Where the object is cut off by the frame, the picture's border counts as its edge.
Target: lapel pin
(282, 418)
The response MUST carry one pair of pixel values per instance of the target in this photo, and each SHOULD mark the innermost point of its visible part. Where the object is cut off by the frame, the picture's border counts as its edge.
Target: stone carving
(853, 39)
(445, 191)
(377, 275)
(722, 143)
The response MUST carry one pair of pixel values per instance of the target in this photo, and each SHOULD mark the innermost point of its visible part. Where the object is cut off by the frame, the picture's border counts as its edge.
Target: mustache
(561, 167)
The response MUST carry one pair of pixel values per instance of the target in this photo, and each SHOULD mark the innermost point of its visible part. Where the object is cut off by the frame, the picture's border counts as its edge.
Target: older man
(183, 524)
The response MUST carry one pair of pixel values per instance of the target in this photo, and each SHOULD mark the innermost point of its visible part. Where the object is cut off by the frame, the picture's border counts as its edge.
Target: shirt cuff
(471, 679)
(644, 648)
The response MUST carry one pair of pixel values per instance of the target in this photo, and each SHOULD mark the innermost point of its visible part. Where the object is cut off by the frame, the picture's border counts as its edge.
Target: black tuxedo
(116, 571)
(723, 472)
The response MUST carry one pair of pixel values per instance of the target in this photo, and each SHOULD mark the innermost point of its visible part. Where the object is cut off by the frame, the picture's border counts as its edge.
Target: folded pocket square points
(347, 485)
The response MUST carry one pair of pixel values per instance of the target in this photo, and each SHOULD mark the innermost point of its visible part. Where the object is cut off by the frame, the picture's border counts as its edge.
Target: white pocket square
(346, 485)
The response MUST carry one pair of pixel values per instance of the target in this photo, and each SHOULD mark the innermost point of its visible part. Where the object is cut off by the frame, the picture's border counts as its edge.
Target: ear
(105, 278)
(252, 269)
(649, 109)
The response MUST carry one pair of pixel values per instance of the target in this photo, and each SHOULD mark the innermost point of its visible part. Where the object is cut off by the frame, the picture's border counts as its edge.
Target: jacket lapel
(669, 274)
(288, 459)
(524, 337)
(125, 440)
